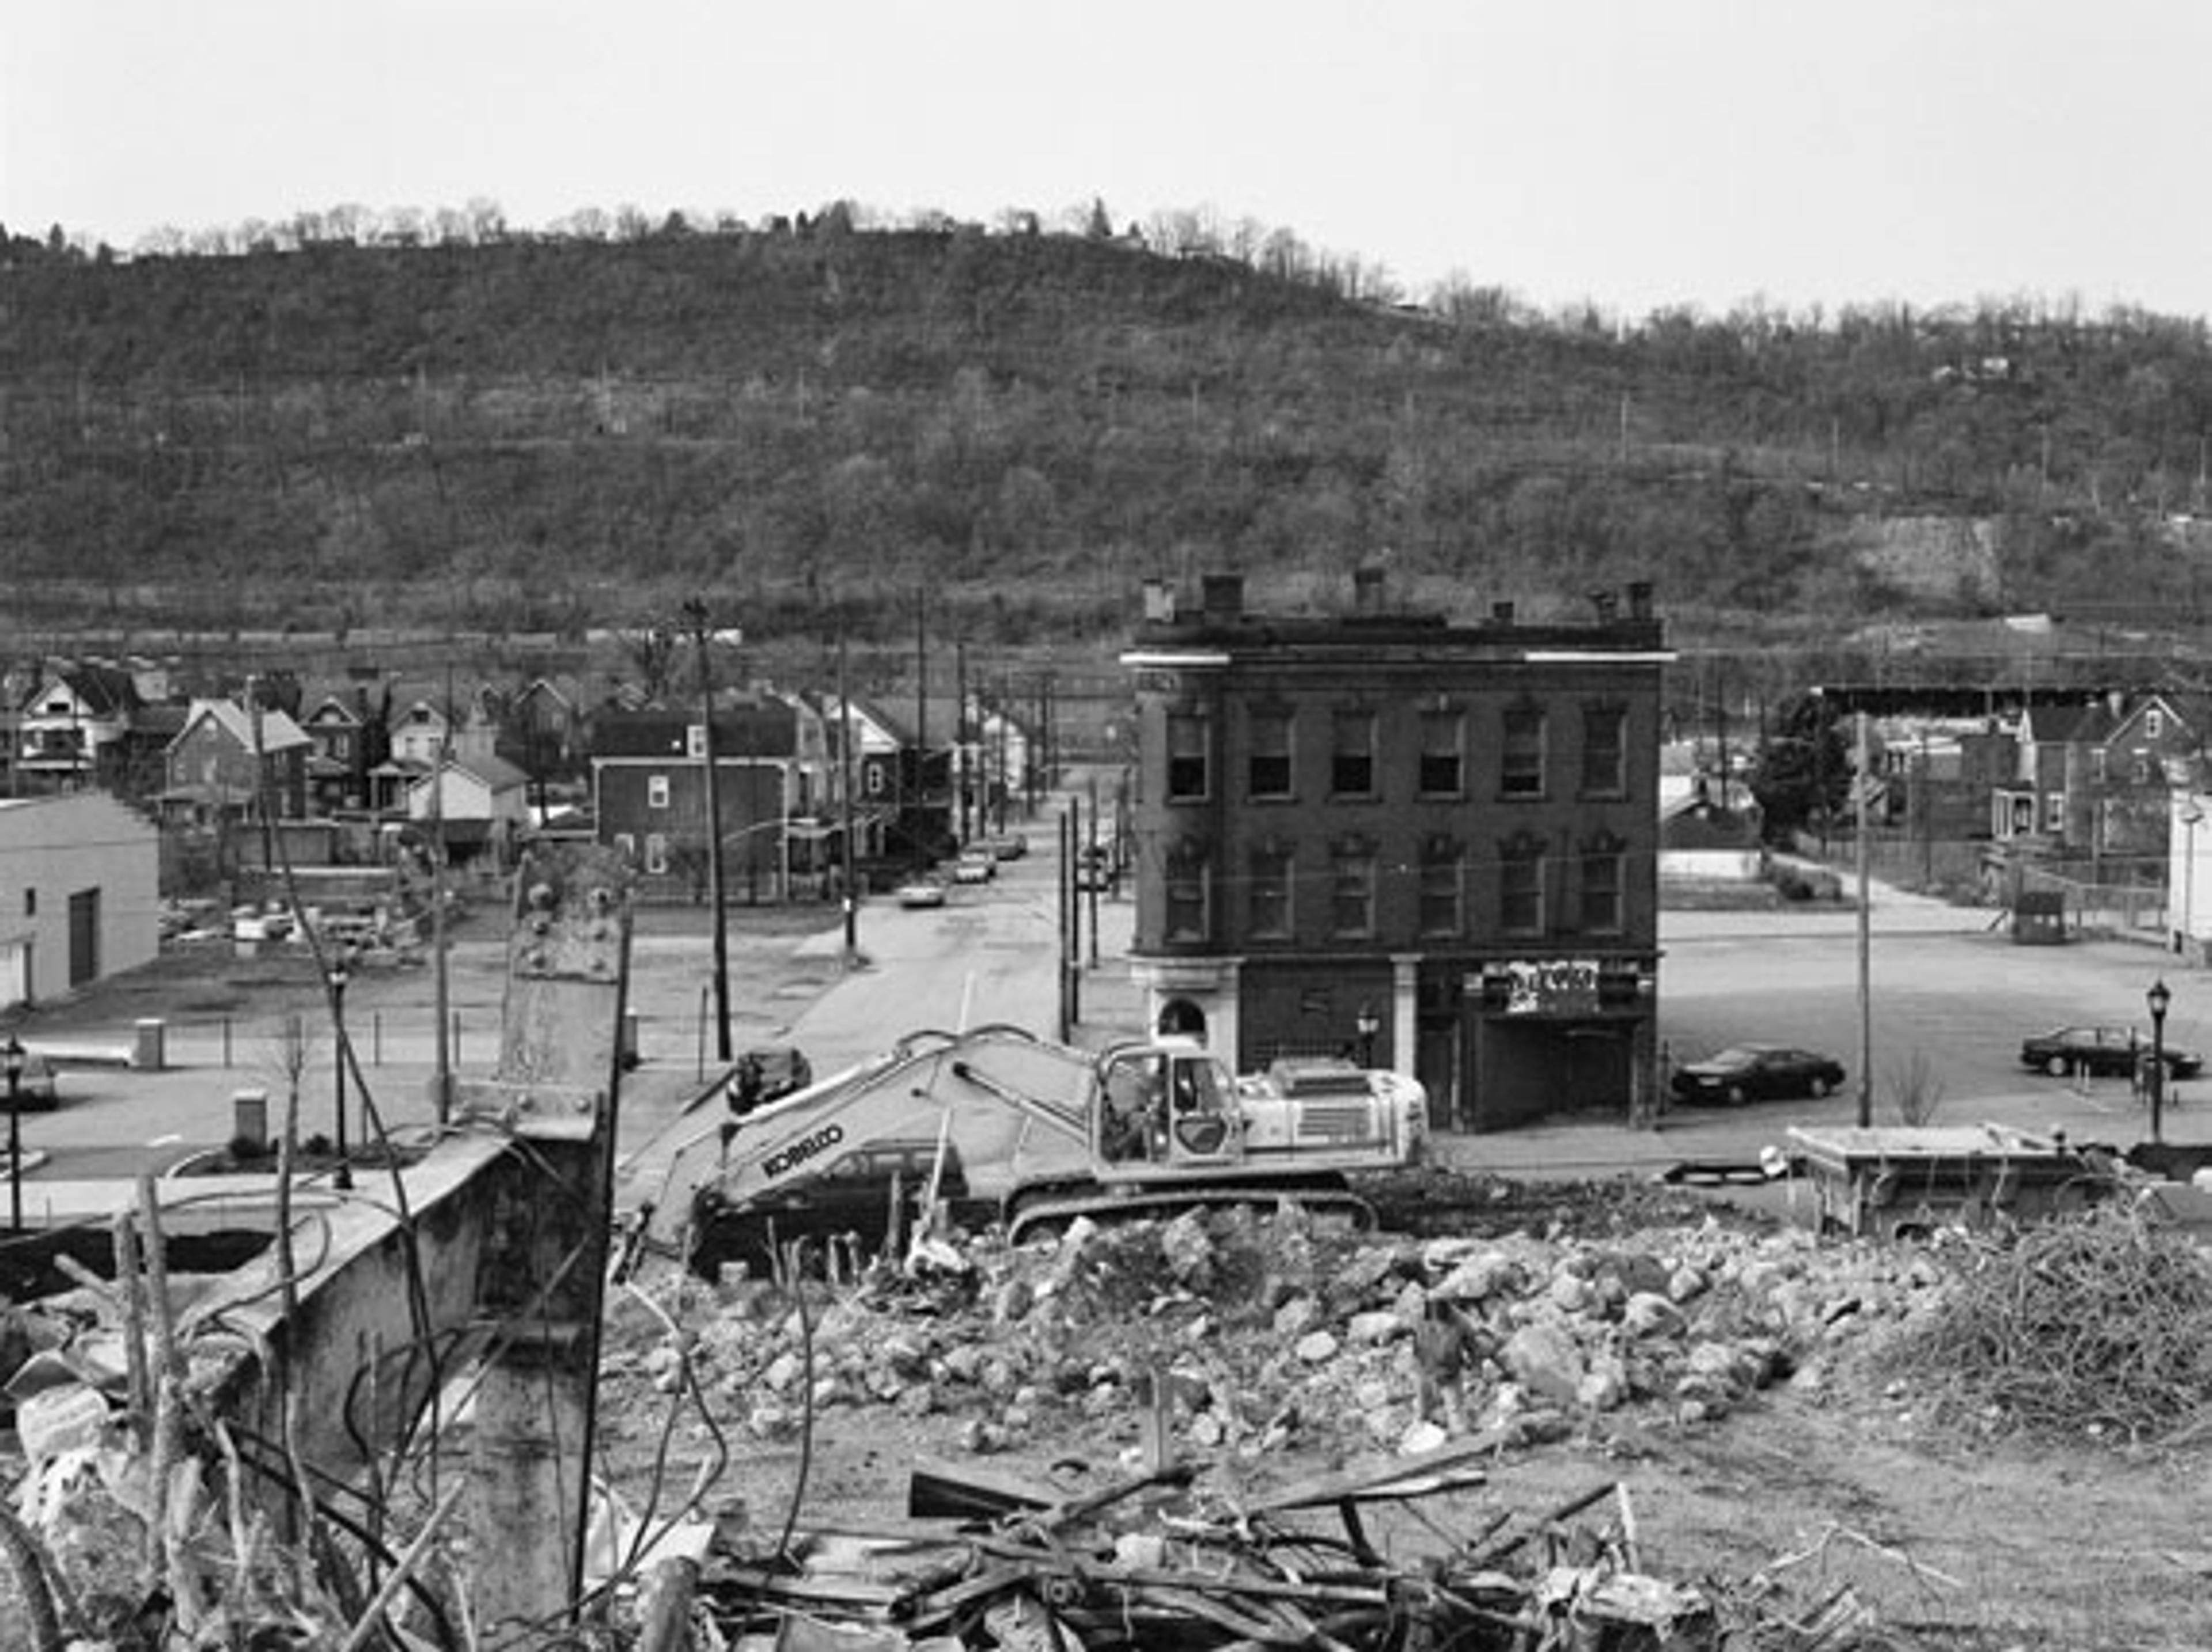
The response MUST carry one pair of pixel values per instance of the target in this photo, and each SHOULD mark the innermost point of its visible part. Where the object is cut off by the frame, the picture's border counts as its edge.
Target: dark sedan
(2101, 1052)
(35, 1087)
(1748, 1073)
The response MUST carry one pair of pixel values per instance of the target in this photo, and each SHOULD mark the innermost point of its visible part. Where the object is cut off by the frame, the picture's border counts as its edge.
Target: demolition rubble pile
(1255, 1335)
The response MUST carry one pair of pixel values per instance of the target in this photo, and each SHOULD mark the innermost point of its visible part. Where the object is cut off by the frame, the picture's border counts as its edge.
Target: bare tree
(289, 1053)
(652, 650)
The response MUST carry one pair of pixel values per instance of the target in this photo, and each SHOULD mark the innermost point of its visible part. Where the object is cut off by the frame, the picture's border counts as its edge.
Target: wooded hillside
(536, 431)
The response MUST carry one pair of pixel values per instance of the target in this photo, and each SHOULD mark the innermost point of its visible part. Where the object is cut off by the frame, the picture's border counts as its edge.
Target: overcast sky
(1637, 154)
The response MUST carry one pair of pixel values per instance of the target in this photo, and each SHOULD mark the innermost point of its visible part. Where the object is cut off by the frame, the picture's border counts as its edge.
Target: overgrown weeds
(2098, 1326)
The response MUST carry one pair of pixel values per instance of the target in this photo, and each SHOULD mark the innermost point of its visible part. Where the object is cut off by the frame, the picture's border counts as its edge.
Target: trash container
(249, 1111)
(149, 1045)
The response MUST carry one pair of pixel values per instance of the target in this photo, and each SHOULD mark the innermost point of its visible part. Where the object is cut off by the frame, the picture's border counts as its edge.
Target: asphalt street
(1948, 993)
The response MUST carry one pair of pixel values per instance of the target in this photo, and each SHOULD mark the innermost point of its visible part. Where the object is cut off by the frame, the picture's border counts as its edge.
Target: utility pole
(695, 610)
(960, 735)
(920, 726)
(1070, 971)
(442, 1077)
(1095, 861)
(845, 792)
(1866, 955)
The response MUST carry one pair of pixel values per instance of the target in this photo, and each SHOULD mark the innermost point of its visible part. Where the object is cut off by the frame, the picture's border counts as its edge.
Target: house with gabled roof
(2156, 743)
(2051, 796)
(476, 804)
(77, 717)
(225, 756)
(348, 741)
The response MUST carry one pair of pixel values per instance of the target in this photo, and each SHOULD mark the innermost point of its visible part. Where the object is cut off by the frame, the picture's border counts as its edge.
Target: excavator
(998, 1127)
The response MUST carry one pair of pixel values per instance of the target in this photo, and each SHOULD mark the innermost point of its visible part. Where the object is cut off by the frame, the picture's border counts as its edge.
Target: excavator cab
(1167, 1106)
(1202, 1120)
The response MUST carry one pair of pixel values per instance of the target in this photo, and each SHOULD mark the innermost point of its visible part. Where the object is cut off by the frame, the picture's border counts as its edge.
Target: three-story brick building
(1433, 846)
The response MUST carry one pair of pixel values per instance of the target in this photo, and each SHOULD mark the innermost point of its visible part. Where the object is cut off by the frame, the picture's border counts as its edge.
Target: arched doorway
(1181, 1018)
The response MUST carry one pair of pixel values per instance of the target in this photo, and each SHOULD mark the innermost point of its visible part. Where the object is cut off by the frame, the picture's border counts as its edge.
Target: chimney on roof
(1608, 604)
(1160, 602)
(1367, 590)
(1501, 611)
(1223, 596)
(1640, 600)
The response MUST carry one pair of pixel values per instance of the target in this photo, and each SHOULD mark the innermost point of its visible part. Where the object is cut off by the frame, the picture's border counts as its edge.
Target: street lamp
(1369, 1024)
(14, 1060)
(344, 1177)
(2159, 997)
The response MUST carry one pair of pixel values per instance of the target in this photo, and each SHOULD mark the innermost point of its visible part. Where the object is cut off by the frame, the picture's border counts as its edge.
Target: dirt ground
(1949, 1539)
(1835, 1477)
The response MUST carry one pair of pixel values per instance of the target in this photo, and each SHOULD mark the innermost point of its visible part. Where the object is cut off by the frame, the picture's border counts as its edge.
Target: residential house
(225, 758)
(1710, 830)
(541, 733)
(349, 743)
(2157, 743)
(79, 895)
(418, 738)
(995, 765)
(894, 826)
(1432, 843)
(477, 805)
(74, 725)
(772, 772)
(2050, 801)
(2092, 778)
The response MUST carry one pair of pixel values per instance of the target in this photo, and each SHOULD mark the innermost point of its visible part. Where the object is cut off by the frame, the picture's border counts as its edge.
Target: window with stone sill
(1268, 767)
(1605, 751)
(1442, 898)
(1443, 757)
(1604, 872)
(1187, 887)
(1352, 755)
(1352, 889)
(1521, 755)
(1188, 741)
(1269, 916)
(1521, 888)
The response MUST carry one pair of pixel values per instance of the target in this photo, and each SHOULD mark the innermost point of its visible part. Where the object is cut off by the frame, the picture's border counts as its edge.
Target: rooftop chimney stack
(1640, 600)
(1367, 590)
(1501, 611)
(1223, 596)
(1608, 604)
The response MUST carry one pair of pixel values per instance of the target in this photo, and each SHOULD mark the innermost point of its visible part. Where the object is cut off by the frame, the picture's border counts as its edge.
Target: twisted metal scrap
(2098, 1325)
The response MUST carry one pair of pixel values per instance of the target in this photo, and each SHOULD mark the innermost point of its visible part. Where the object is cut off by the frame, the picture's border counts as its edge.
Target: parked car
(36, 1088)
(768, 1072)
(2101, 1052)
(974, 866)
(921, 892)
(1009, 846)
(1749, 1073)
